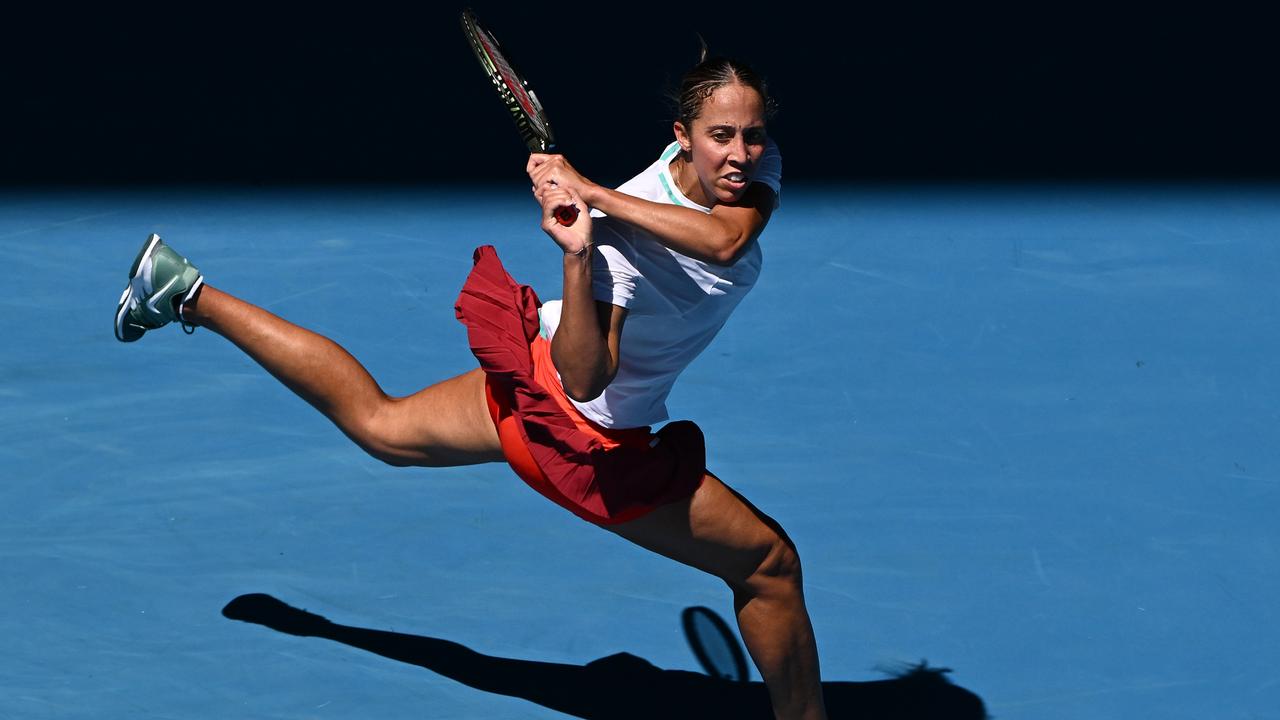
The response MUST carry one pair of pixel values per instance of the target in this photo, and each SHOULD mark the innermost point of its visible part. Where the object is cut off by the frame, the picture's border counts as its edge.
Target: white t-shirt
(675, 304)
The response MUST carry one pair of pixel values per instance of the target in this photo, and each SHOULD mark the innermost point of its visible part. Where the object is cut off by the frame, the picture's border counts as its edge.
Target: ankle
(187, 307)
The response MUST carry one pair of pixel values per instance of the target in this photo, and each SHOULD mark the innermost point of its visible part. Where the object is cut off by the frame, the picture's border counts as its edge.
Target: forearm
(699, 235)
(580, 348)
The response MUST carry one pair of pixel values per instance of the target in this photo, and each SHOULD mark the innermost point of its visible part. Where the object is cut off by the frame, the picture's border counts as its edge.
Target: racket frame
(519, 99)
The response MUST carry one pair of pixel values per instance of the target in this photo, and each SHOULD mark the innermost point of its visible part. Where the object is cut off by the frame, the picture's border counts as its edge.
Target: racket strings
(522, 102)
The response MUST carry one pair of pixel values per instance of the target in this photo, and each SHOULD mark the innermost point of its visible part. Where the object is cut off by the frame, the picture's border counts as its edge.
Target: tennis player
(567, 391)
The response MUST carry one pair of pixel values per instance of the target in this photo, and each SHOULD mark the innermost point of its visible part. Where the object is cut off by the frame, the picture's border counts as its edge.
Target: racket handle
(567, 215)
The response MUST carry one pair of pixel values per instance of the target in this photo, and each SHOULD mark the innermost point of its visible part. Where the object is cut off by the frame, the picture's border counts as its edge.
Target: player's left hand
(551, 171)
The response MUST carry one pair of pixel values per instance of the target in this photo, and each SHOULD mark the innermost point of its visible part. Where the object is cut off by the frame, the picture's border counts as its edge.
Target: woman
(565, 395)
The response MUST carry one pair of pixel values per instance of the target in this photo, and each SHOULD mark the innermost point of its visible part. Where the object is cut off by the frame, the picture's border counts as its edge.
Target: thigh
(716, 530)
(442, 425)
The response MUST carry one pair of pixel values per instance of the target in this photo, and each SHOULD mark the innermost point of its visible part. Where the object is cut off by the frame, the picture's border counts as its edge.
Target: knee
(392, 457)
(776, 569)
(377, 434)
(381, 450)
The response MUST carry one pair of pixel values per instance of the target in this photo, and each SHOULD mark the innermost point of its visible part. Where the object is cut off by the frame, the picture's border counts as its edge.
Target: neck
(680, 170)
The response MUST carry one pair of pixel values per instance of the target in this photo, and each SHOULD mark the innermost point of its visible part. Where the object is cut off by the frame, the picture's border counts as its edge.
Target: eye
(754, 136)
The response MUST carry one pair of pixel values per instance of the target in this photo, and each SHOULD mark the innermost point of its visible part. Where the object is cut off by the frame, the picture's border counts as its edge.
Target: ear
(682, 136)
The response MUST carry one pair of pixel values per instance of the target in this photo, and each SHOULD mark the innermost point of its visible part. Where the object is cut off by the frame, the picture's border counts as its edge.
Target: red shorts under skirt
(602, 475)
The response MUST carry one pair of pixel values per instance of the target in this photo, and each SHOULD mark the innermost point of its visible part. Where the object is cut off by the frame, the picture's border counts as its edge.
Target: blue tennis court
(1028, 434)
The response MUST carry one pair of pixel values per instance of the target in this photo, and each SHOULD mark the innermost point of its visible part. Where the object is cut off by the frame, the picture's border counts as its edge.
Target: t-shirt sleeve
(769, 171)
(613, 275)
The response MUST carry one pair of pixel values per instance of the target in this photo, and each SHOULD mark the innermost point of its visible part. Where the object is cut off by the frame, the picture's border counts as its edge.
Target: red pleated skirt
(604, 476)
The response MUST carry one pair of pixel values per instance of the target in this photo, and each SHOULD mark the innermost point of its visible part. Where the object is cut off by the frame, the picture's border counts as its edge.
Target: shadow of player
(621, 686)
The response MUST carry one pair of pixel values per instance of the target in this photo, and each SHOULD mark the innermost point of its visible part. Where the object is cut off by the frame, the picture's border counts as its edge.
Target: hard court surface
(1028, 434)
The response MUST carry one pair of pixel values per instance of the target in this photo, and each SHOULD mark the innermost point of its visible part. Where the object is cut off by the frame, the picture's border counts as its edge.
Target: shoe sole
(122, 309)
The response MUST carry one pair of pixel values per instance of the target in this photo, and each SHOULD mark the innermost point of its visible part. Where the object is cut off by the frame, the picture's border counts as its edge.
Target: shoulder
(648, 182)
(769, 169)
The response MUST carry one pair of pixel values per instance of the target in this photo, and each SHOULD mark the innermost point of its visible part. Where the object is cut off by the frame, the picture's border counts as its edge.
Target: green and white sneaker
(158, 276)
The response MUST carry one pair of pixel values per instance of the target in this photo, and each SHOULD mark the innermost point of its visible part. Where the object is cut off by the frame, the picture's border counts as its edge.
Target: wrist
(592, 194)
(583, 253)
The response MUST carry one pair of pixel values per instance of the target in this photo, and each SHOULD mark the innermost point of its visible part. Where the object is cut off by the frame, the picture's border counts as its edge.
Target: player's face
(725, 143)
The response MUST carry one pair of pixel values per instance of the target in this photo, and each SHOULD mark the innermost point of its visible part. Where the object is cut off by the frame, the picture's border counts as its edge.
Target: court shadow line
(621, 686)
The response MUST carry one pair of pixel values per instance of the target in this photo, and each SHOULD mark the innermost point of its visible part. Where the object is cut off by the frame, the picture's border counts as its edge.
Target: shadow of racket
(714, 644)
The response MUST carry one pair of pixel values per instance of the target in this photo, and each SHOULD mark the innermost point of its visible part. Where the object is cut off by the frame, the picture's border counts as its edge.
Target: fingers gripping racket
(521, 102)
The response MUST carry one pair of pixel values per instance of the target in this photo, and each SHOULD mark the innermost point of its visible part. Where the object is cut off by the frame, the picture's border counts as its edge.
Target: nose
(738, 151)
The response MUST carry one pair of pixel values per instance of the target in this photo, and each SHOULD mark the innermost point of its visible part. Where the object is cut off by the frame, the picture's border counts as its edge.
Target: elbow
(727, 251)
(585, 387)
(583, 391)
(724, 256)
(582, 376)
(581, 396)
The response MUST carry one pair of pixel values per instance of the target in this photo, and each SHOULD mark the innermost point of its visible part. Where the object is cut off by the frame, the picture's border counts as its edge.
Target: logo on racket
(532, 108)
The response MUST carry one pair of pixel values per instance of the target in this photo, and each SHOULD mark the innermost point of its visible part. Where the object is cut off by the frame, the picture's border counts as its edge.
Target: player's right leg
(720, 532)
(445, 424)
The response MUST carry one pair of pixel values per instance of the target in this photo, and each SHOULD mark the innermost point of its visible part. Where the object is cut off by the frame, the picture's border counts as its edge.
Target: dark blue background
(370, 92)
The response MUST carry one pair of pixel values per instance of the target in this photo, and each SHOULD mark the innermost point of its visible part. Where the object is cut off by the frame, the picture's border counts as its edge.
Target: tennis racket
(519, 99)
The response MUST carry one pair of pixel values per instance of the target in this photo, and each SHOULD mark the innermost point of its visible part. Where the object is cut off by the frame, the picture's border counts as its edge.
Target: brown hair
(711, 74)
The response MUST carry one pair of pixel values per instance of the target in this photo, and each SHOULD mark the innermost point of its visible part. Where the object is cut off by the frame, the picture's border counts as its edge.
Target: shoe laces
(187, 327)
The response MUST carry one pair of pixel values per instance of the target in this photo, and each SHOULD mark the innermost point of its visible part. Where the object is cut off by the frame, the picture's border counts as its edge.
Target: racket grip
(567, 215)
